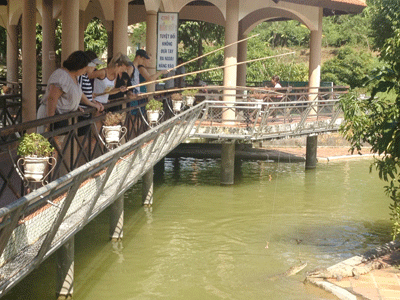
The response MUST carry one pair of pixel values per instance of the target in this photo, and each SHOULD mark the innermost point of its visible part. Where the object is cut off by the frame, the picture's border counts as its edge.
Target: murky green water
(201, 240)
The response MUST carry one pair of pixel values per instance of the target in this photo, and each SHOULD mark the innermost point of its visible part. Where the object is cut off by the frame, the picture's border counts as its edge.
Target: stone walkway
(378, 284)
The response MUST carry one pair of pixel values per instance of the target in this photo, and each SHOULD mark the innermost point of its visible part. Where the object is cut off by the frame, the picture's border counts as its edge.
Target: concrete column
(147, 188)
(12, 54)
(110, 51)
(311, 151)
(151, 44)
(231, 36)
(120, 26)
(70, 27)
(29, 60)
(315, 57)
(49, 38)
(82, 28)
(65, 270)
(117, 219)
(227, 163)
(242, 56)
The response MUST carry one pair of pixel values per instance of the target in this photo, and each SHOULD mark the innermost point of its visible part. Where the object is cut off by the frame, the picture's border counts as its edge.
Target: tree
(349, 67)
(196, 37)
(96, 38)
(377, 120)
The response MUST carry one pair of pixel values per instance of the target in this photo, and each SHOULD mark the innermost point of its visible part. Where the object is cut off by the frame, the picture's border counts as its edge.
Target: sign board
(167, 40)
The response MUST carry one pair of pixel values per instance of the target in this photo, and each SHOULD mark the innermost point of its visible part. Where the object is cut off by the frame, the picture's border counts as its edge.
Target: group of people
(78, 84)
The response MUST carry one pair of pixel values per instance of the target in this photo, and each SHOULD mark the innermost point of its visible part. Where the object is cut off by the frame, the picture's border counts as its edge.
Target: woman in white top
(104, 79)
(63, 93)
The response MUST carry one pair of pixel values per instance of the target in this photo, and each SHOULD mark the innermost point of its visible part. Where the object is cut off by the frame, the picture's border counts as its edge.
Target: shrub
(34, 144)
(154, 105)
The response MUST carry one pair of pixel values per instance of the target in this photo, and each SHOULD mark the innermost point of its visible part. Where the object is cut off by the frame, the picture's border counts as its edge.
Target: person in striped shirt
(87, 87)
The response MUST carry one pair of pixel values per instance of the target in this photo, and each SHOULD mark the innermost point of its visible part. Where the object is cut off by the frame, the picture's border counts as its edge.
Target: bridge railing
(37, 224)
(34, 226)
(276, 115)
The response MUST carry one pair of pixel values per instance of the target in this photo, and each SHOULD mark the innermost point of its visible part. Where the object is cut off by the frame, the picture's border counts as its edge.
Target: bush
(34, 144)
(154, 105)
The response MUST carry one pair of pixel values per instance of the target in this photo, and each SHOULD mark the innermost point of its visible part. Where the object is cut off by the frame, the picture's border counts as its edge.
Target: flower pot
(189, 100)
(177, 105)
(153, 115)
(34, 167)
(112, 134)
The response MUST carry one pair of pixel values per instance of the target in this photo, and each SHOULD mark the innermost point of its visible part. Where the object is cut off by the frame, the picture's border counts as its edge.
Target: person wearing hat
(83, 80)
(87, 87)
(138, 67)
(63, 94)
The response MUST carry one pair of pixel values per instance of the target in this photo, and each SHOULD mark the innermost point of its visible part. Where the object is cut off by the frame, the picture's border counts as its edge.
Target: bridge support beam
(147, 188)
(311, 151)
(227, 163)
(65, 270)
(117, 219)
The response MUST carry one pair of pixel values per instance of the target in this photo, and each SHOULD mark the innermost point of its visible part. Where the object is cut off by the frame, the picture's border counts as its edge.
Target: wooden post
(311, 151)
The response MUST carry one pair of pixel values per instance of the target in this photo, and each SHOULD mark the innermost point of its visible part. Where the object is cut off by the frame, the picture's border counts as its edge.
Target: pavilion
(238, 16)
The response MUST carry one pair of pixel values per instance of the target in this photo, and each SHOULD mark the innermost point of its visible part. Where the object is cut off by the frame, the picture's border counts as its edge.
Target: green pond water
(201, 240)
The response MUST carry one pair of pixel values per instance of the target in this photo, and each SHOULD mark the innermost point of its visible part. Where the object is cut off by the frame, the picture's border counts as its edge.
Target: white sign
(167, 40)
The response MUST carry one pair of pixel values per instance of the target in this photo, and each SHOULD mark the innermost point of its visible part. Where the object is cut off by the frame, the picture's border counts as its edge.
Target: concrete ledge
(339, 292)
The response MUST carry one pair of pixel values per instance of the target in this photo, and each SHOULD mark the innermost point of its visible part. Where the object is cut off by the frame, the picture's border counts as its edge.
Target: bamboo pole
(211, 52)
(200, 71)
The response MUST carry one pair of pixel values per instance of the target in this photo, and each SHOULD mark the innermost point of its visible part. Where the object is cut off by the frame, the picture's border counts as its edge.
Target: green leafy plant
(114, 119)
(34, 144)
(154, 105)
(176, 96)
(191, 92)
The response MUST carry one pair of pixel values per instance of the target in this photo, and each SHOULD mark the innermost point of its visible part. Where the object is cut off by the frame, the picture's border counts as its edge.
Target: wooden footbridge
(89, 177)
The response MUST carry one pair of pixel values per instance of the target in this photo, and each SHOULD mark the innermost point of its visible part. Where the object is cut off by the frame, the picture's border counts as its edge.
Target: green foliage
(190, 92)
(154, 105)
(340, 30)
(96, 38)
(138, 35)
(197, 38)
(385, 21)
(349, 67)
(284, 34)
(34, 144)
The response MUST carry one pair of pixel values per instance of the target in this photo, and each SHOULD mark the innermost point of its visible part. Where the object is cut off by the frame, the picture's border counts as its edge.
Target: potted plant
(112, 127)
(189, 96)
(36, 153)
(177, 100)
(153, 108)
